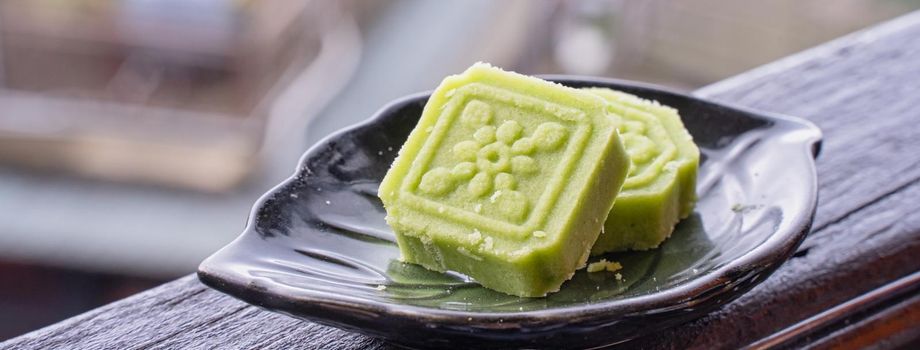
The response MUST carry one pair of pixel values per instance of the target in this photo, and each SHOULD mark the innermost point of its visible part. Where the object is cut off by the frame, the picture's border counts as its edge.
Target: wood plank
(894, 327)
(858, 254)
(866, 318)
(187, 315)
(860, 90)
(867, 230)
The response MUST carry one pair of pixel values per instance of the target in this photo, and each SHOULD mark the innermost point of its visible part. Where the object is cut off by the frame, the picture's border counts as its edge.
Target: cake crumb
(495, 196)
(467, 253)
(745, 208)
(476, 236)
(618, 276)
(604, 265)
(597, 266)
(487, 243)
(520, 252)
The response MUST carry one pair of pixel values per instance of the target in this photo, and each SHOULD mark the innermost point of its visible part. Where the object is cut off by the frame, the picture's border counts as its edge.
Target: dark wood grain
(185, 314)
(862, 90)
(893, 327)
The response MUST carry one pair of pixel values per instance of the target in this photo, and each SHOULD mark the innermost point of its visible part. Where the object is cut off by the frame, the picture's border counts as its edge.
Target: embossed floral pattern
(494, 161)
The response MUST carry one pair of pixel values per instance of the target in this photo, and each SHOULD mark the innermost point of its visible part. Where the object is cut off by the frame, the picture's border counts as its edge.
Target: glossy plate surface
(317, 247)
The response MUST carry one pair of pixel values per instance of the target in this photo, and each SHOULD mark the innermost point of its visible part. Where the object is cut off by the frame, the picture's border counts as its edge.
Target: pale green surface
(507, 179)
(661, 186)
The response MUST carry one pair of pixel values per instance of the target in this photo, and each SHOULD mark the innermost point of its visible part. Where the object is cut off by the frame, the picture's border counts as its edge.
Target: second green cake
(661, 186)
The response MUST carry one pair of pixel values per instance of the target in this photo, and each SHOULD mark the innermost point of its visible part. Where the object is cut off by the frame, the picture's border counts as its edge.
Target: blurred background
(136, 134)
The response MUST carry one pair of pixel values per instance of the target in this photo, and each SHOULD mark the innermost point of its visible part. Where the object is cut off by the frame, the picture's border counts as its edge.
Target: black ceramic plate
(317, 247)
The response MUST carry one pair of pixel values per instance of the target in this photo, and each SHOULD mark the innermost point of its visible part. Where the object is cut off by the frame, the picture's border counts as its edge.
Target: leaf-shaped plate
(317, 247)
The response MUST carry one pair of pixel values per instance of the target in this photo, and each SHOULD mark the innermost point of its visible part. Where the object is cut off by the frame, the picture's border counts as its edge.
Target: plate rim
(764, 258)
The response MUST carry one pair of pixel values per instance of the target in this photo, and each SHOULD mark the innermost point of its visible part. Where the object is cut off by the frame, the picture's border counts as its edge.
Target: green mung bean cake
(507, 179)
(661, 186)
